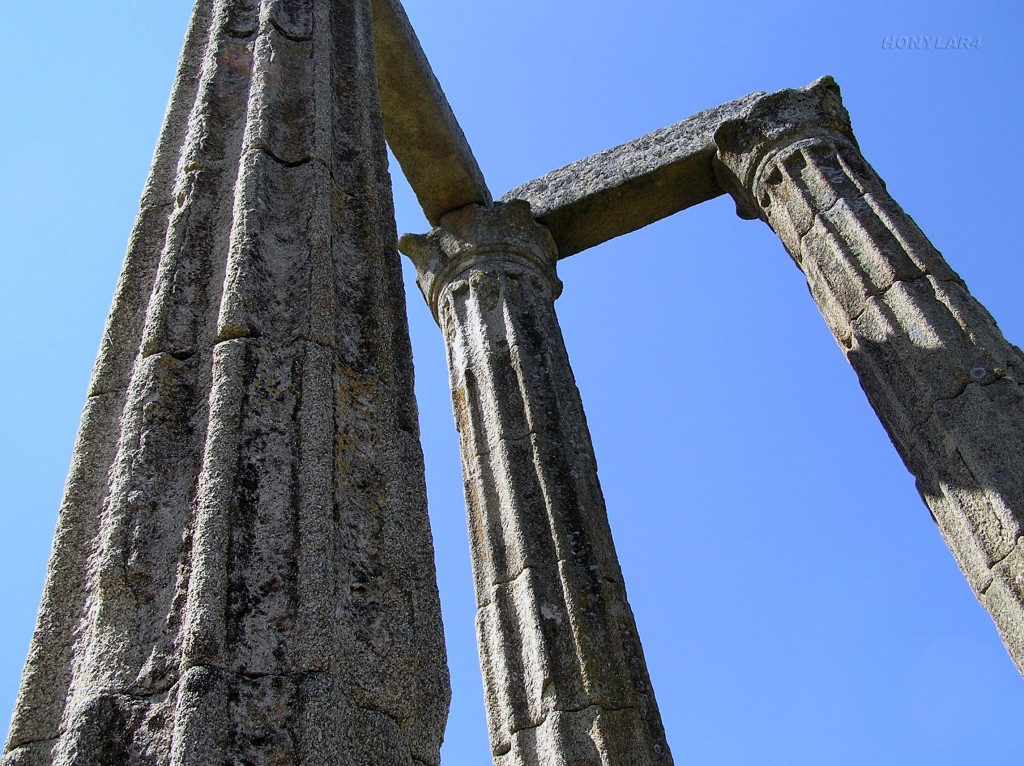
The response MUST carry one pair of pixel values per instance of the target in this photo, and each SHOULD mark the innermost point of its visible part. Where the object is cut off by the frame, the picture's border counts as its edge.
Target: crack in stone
(998, 376)
(960, 392)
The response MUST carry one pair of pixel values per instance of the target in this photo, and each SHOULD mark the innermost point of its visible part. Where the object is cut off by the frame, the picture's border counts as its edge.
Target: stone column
(242, 570)
(940, 375)
(564, 672)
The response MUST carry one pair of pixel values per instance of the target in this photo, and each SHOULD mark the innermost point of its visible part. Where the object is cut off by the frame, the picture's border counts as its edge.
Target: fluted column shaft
(242, 571)
(564, 672)
(940, 375)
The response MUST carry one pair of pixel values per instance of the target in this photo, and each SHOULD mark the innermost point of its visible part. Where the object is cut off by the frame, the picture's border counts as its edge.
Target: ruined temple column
(940, 375)
(564, 673)
(242, 571)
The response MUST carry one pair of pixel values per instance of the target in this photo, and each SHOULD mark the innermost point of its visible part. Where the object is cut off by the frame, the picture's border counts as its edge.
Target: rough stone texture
(421, 127)
(242, 571)
(564, 674)
(630, 186)
(944, 381)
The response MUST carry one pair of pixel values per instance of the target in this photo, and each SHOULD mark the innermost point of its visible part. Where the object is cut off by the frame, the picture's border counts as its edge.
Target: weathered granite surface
(940, 375)
(630, 186)
(564, 674)
(242, 570)
(421, 128)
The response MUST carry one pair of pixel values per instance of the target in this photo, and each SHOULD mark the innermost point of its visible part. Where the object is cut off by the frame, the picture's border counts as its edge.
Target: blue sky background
(796, 602)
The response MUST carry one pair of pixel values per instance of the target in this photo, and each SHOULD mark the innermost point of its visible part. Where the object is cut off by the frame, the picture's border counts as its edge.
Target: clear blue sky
(796, 603)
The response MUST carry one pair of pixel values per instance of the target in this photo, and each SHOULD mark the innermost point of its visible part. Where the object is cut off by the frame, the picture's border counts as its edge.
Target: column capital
(476, 235)
(780, 120)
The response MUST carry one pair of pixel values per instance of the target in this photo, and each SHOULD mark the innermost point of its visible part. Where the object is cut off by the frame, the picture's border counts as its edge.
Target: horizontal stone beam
(630, 186)
(421, 128)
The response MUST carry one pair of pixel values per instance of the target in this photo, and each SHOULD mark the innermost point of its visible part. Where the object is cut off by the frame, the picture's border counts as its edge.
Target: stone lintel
(630, 186)
(421, 128)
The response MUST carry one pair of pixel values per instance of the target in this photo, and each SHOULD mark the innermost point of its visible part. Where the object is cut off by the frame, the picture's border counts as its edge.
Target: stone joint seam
(12, 746)
(874, 294)
(101, 392)
(295, 675)
(996, 562)
(276, 25)
(187, 354)
(62, 731)
(504, 582)
(514, 731)
(490, 445)
(240, 36)
(998, 519)
(285, 163)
